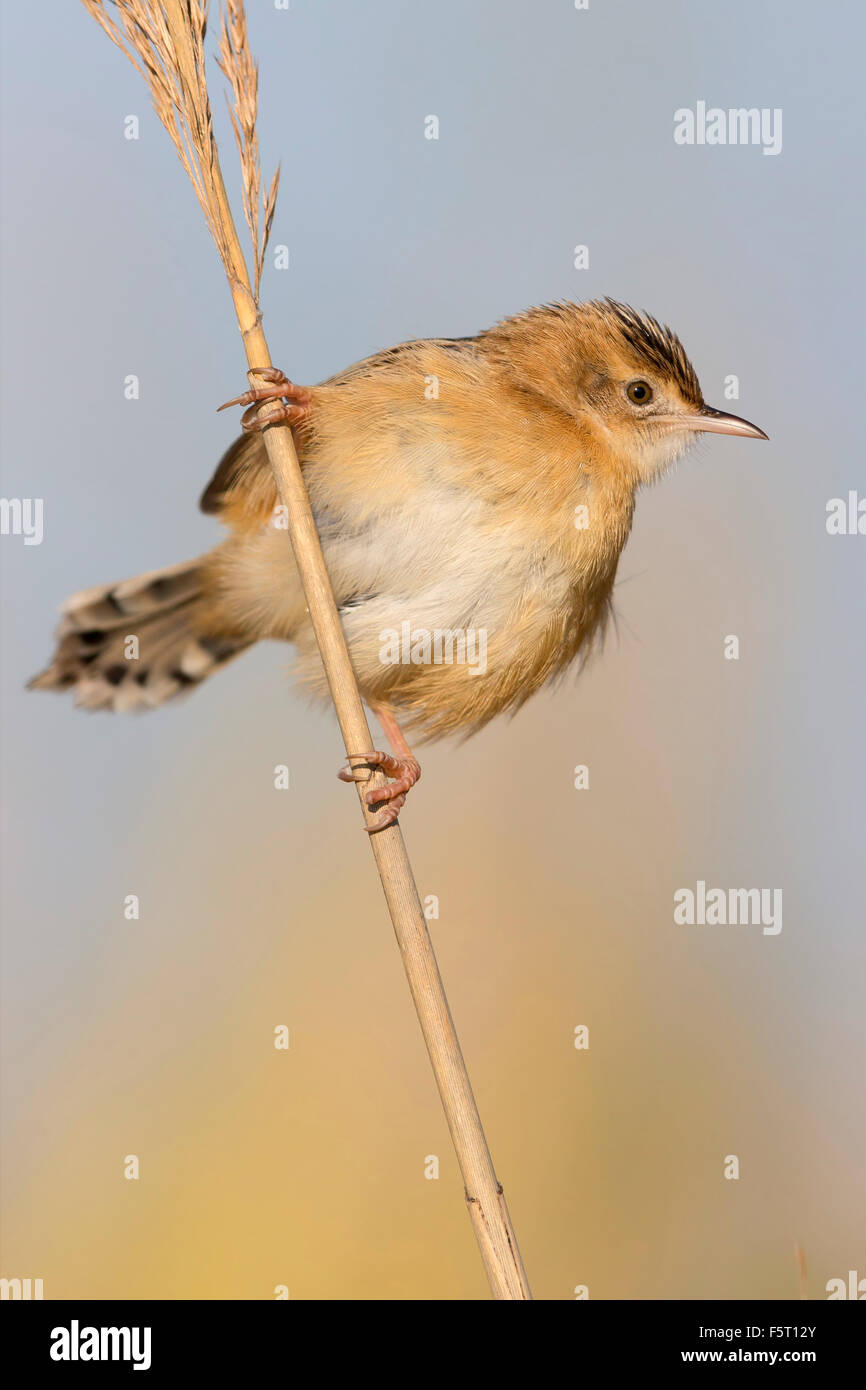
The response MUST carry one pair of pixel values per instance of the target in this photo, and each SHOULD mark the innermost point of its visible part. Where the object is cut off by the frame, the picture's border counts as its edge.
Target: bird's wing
(242, 472)
(242, 490)
(395, 358)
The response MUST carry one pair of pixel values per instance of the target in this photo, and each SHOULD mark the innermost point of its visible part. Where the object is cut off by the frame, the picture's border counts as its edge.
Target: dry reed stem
(164, 39)
(800, 1256)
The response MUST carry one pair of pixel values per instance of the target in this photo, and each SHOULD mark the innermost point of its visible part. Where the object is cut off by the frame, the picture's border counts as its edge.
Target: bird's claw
(294, 401)
(405, 772)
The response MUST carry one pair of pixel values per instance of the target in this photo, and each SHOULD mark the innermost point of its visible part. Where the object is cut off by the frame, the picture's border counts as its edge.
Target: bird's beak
(711, 421)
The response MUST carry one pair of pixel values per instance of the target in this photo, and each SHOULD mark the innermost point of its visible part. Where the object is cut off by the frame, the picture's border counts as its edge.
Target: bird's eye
(639, 392)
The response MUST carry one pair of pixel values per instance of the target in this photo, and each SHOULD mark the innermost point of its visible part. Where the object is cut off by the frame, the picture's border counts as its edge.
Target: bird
(481, 488)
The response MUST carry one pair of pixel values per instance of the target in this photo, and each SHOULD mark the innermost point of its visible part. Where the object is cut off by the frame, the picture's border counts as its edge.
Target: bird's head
(641, 388)
(626, 377)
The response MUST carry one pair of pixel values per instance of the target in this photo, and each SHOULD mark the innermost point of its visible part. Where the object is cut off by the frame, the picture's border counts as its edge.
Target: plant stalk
(484, 1195)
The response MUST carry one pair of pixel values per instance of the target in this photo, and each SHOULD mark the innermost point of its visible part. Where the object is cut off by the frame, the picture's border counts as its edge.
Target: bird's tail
(137, 644)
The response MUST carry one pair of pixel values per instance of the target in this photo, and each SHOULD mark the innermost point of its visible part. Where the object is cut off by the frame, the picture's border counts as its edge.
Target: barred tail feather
(173, 649)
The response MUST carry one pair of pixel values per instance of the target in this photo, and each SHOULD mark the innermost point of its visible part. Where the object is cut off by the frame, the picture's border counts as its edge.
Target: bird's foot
(405, 772)
(294, 400)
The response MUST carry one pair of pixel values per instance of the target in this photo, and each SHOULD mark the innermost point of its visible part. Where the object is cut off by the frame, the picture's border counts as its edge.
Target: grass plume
(236, 63)
(174, 72)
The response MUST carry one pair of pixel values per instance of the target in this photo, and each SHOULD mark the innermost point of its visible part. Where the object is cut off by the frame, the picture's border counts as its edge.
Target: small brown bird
(473, 496)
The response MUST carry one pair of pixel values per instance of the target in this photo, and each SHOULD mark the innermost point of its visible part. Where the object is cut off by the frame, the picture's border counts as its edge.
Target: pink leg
(403, 767)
